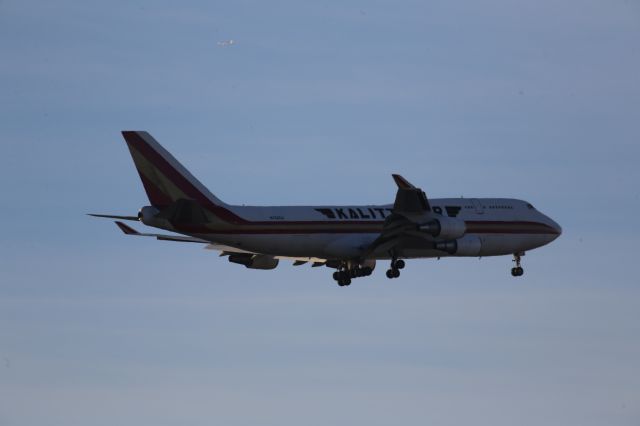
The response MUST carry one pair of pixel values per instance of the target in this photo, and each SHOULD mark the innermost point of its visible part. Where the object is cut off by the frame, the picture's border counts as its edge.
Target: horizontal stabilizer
(127, 229)
(110, 216)
(162, 237)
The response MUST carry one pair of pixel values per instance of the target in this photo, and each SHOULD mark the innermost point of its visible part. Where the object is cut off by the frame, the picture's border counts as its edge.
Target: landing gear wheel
(349, 270)
(396, 265)
(344, 282)
(517, 271)
(393, 273)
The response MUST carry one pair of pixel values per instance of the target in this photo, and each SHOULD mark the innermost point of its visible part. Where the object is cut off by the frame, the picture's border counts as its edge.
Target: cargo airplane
(349, 239)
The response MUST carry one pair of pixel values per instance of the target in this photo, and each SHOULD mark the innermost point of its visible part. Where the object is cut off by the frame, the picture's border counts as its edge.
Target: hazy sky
(317, 103)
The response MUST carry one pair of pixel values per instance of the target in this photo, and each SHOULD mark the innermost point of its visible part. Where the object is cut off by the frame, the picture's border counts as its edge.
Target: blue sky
(317, 103)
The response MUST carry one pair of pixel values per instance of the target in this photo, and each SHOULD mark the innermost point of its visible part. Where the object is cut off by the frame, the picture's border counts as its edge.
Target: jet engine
(469, 245)
(254, 261)
(446, 228)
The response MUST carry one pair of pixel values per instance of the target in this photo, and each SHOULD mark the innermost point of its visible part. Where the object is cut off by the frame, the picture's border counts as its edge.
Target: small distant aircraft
(226, 43)
(348, 239)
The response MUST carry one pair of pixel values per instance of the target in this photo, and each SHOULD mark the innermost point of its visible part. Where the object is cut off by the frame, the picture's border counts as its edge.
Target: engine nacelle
(447, 228)
(147, 215)
(254, 261)
(469, 245)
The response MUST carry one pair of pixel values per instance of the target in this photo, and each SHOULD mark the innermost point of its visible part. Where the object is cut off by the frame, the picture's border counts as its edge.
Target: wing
(410, 208)
(409, 199)
(224, 250)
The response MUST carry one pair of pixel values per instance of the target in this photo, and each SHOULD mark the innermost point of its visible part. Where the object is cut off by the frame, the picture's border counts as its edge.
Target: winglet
(409, 198)
(402, 182)
(126, 229)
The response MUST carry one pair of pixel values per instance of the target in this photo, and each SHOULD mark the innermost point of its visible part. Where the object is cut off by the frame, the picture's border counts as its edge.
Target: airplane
(349, 239)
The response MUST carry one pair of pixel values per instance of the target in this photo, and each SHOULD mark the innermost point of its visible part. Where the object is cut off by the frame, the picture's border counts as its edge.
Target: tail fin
(165, 180)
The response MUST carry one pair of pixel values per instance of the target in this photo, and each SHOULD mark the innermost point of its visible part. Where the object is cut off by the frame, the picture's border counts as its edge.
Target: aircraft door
(477, 205)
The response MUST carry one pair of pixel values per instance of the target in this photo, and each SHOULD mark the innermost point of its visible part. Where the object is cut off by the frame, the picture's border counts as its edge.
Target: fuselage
(502, 226)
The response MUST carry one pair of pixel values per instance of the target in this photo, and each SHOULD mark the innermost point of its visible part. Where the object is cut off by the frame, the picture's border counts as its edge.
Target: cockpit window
(530, 206)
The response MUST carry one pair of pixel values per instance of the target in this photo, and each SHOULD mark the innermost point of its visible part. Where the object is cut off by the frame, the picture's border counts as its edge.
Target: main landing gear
(344, 274)
(394, 271)
(517, 271)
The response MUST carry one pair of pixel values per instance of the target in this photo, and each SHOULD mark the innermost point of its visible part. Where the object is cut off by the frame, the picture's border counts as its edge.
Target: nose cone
(556, 227)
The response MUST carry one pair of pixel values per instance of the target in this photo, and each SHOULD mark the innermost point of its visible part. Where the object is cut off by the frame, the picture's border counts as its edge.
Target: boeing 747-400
(349, 239)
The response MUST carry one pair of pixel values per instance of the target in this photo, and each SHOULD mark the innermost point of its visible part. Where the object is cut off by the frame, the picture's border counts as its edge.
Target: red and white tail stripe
(165, 179)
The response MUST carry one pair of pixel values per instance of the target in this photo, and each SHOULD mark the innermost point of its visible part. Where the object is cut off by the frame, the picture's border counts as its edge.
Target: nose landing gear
(517, 271)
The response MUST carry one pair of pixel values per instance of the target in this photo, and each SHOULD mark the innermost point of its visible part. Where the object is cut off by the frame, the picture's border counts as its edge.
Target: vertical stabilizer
(165, 180)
